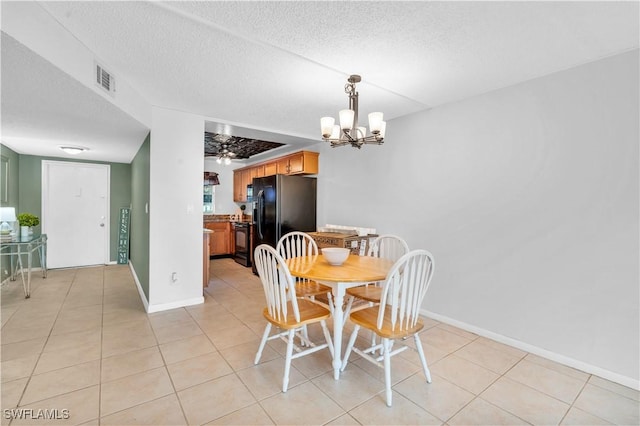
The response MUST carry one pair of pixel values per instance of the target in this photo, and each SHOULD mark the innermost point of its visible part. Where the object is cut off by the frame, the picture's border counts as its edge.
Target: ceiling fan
(235, 147)
(225, 154)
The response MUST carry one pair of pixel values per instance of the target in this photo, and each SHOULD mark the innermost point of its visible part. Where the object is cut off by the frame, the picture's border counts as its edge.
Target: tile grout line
(499, 376)
(503, 375)
(577, 397)
(101, 347)
(538, 390)
(166, 368)
(235, 373)
(43, 346)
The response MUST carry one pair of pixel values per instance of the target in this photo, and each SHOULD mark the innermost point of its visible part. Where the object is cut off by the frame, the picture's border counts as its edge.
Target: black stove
(242, 233)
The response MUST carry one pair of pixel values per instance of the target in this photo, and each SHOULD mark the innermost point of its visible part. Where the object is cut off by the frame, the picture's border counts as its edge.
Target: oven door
(243, 240)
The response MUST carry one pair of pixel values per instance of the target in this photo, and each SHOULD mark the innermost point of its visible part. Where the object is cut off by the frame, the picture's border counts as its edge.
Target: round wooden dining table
(355, 271)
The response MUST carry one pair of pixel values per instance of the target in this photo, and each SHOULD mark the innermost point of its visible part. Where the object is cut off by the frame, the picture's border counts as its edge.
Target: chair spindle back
(277, 282)
(295, 244)
(389, 247)
(405, 288)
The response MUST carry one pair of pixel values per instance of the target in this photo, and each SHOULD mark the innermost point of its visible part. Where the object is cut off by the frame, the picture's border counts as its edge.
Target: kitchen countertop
(222, 218)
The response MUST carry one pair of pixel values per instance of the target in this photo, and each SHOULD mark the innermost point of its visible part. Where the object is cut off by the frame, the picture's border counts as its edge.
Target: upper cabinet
(241, 178)
(271, 169)
(299, 163)
(257, 171)
(303, 162)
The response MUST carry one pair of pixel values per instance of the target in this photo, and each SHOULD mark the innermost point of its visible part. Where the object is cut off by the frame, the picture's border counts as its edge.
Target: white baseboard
(173, 305)
(162, 306)
(565, 360)
(140, 291)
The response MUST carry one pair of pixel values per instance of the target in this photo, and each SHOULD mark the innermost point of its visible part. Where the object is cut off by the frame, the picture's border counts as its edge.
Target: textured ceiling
(216, 144)
(43, 108)
(279, 66)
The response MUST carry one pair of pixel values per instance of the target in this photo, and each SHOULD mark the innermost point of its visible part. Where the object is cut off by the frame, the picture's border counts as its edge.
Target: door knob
(102, 225)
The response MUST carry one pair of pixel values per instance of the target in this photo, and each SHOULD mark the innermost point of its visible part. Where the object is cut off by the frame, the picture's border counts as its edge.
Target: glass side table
(25, 246)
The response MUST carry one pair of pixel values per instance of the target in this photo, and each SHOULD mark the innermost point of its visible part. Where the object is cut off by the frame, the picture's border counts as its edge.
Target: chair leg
(347, 310)
(386, 343)
(423, 360)
(347, 352)
(265, 336)
(327, 336)
(330, 302)
(287, 363)
(305, 335)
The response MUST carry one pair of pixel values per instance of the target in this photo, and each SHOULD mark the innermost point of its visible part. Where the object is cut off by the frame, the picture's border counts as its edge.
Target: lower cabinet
(220, 238)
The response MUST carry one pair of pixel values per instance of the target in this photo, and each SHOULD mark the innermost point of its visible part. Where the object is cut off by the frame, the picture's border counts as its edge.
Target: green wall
(30, 191)
(139, 232)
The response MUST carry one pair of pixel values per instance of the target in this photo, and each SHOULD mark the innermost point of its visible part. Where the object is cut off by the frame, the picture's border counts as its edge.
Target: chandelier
(224, 155)
(348, 132)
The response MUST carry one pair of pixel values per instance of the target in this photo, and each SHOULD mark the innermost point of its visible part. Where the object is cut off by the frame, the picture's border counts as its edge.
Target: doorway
(75, 213)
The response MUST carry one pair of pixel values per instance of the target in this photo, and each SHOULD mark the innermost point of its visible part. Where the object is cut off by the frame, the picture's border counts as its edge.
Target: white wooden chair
(295, 244)
(385, 246)
(397, 316)
(285, 310)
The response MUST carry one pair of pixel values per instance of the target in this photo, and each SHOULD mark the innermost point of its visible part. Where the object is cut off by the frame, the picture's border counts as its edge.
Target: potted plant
(27, 221)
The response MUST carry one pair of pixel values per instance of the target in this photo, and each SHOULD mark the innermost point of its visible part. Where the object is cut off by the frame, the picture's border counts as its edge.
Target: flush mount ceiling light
(73, 150)
(348, 132)
(225, 155)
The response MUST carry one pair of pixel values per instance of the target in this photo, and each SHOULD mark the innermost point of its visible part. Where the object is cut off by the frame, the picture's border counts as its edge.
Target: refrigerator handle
(260, 213)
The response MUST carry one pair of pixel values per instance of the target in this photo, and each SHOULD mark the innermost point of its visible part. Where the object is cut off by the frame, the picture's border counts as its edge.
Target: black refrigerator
(282, 204)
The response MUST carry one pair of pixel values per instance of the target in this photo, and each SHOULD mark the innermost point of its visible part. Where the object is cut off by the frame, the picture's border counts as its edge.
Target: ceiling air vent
(105, 79)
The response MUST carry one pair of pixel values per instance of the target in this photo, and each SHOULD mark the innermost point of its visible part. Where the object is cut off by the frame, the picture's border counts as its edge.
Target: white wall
(224, 203)
(175, 216)
(528, 198)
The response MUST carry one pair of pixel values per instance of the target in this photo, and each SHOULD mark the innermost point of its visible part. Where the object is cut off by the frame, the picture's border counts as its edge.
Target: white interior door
(75, 213)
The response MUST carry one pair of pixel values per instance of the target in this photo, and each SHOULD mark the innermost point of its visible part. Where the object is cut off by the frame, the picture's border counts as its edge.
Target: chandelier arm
(336, 143)
(347, 136)
(353, 136)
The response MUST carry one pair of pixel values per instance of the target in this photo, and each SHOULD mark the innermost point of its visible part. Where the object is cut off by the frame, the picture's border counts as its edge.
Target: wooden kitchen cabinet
(271, 169)
(220, 238)
(257, 171)
(282, 166)
(241, 178)
(303, 162)
(247, 178)
(237, 183)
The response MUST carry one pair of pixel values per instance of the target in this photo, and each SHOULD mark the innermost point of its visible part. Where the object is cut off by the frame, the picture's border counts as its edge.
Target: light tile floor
(83, 343)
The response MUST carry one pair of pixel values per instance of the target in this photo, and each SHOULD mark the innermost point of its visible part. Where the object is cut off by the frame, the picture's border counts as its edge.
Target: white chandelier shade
(347, 132)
